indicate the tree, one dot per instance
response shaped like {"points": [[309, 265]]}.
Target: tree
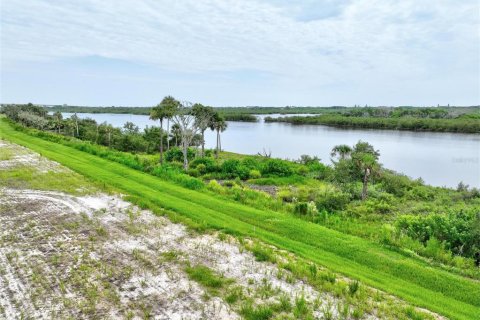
{"points": [[187, 127], [343, 151], [366, 159], [164, 110], [108, 130], [175, 132], [75, 118], [219, 125], [130, 128], [203, 120], [57, 116]]}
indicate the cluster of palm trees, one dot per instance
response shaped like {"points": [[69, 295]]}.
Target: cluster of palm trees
{"points": [[189, 120]]}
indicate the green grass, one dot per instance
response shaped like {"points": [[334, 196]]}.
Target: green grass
{"points": [[207, 278], [29, 178], [408, 278], [5, 154]]}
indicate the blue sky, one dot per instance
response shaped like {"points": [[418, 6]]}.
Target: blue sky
{"points": [[236, 53]]}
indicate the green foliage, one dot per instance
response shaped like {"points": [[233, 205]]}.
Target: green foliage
{"points": [[276, 167], [459, 231], [176, 154], [234, 169], [353, 287], [254, 174]]}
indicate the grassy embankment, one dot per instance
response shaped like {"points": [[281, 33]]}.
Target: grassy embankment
{"points": [[408, 278]]}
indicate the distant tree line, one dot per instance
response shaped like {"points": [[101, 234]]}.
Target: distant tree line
{"points": [[428, 121], [226, 113]]}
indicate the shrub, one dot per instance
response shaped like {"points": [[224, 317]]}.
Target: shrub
{"points": [[215, 186], [234, 169], [301, 208], [276, 167], [303, 171], [208, 163], [353, 287], [332, 201], [176, 154], [251, 163], [193, 172], [286, 195], [254, 174], [202, 169]]}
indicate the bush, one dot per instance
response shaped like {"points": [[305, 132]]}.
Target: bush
{"points": [[208, 163], [193, 172], [251, 163], [276, 167], [254, 174], [303, 171], [332, 201], [215, 187], [234, 169], [301, 208], [176, 154]]}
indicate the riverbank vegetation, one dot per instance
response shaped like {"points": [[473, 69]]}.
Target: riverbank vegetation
{"points": [[466, 120]]}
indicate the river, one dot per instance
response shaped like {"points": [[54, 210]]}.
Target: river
{"points": [[440, 159]]}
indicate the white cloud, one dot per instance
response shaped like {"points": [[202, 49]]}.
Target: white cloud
{"points": [[363, 44]]}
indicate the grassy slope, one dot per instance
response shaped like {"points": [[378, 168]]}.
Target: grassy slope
{"points": [[410, 279]]}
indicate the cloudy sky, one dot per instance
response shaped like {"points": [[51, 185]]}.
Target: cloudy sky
{"points": [[249, 52]]}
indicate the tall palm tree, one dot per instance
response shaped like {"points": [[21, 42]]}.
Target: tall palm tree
{"points": [[175, 132], [164, 110], [57, 116], [219, 125], [203, 119]]}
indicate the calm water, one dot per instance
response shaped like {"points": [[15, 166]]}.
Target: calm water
{"points": [[441, 159]]}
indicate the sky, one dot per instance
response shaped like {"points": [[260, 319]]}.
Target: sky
{"points": [[239, 53]]}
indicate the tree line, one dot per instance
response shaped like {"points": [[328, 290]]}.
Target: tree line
{"points": [[189, 123], [464, 123]]}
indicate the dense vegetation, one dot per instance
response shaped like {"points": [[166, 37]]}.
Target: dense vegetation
{"points": [[422, 119], [408, 277]]}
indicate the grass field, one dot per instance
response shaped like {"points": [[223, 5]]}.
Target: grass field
{"points": [[408, 278]]}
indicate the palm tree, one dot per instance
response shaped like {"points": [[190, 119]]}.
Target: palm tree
{"points": [[75, 120], [176, 133], [342, 151], [219, 125], [366, 158], [203, 120], [57, 116], [164, 110]]}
